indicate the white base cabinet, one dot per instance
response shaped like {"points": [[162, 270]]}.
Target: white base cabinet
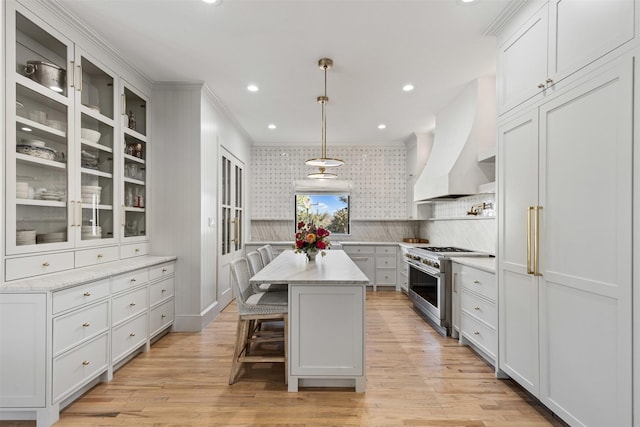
{"points": [[58, 336], [377, 262]]}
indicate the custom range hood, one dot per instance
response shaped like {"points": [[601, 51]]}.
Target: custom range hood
{"points": [[463, 128]]}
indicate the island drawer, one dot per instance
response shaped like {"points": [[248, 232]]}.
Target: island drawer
{"points": [[479, 307], [359, 249], [478, 281]]}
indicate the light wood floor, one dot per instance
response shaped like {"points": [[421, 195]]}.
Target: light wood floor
{"points": [[414, 378]]}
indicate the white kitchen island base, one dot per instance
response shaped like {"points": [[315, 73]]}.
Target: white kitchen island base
{"points": [[326, 318], [326, 341]]}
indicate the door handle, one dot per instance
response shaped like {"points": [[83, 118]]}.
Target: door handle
{"points": [[529, 267], [536, 242]]}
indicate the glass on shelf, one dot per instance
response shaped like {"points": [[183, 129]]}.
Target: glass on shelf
{"points": [[136, 111], [134, 224], [135, 147], [47, 114], [40, 56], [40, 224], [97, 89]]}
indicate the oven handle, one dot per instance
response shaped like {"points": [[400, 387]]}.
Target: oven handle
{"points": [[427, 270]]}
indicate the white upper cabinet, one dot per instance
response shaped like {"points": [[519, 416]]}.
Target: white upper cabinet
{"points": [[558, 39]]}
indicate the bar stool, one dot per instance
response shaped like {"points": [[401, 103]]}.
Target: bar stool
{"points": [[266, 253], [253, 309], [255, 264]]}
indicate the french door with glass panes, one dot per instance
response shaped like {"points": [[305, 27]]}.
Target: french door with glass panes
{"points": [[231, 228]]}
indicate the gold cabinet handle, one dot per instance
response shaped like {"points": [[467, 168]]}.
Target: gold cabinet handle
{"points": [[529, 268], [87, 294], [73, 208], [85, 363], [124, 105], [86, 324], [73, 74], [476, 308], [79, 224], [123, 215], [133, 304], [477, 282], [541, 86], [476, 333], [162, 316], [100, 256], [536, 242], [46, 264], [80, 73], [163, 291], [136, 250], [549, 81], [164, 270], [132, 334], [133, 279]]}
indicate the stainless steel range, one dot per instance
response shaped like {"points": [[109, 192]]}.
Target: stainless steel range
{"points": [[430, 283]]}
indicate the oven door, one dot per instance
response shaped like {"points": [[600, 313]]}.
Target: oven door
{"points": [[427, 291]]}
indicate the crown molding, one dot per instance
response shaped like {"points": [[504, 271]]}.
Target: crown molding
{"points": [[497, 24]]}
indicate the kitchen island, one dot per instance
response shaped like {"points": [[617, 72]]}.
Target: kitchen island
{"points": [[326, 318]]}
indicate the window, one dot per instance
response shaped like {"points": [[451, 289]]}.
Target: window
{"points": [[330, 211]]}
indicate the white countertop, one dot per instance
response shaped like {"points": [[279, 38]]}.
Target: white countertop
{"points": [[487, 264], [334, 268], [345, 243], [66, 279]]}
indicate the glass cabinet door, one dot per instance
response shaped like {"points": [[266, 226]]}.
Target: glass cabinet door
{"points": [[95, 193], [134, 164], [39, 138]]}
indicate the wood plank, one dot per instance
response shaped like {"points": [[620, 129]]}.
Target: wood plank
{"points": [[414, 378]]}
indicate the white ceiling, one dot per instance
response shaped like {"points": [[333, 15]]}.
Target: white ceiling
{"points": [[376, 46]]}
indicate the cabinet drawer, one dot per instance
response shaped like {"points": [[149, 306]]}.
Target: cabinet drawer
{"points": [[20, 268], [128, 305], [359, 250], [77, 367], [479, 307], [162, 270], [386, 250], [386, 276], [479, 334], [137, 249], [161, 290], [79, 295], [479, 282], [128, 336], [75, 327], [130, 280], [385, 261], [89, 257], [160, 317]]}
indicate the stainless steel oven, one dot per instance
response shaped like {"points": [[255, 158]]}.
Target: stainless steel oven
{"points": [[430, 286]]}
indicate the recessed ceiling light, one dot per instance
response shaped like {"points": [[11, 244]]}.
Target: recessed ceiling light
{"points": [[26, 129], [252, 88], [213, 2], [467, 1], [272, 126], [382, 126], [408, 87]]}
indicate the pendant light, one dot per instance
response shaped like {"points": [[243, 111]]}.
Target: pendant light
{"points": [[324, 162]]}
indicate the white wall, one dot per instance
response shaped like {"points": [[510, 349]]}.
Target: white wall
{"points": [[189, 127]]}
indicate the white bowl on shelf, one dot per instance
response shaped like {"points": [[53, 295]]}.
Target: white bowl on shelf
{"points": [[34, 142], [90, 135]]}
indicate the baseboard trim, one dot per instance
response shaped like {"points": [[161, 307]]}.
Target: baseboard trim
{"points": [[196, 322]]}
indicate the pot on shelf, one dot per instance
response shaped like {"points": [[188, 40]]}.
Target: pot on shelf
{"points": [[47, 74]]}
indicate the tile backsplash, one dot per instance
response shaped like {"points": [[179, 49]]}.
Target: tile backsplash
{"points": [[377, 175]]}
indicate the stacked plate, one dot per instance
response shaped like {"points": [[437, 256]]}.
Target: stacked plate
{"points": [[90, 194], [22, 190], [25, 237], [51, 195], [51, 237], [91, 232]]}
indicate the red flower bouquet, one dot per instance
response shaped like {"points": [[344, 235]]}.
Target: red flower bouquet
{"points": [[311, 239]]}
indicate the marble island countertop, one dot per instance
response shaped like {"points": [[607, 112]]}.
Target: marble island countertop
{"points": [[344, 243], [69, 278]]}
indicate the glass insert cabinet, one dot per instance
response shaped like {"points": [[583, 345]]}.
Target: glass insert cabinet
{"points": [[76, 151]]}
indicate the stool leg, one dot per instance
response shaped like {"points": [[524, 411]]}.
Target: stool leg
{"points": [[241, 342]]}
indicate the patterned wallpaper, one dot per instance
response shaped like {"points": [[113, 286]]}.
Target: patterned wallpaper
{"points": [[377, 173]]}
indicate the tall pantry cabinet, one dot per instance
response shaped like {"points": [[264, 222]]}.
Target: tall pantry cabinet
{"points": [[565, 168]]}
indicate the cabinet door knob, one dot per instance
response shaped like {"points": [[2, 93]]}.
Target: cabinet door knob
{"points": [[549, 81], [133, 279], [136, 250], [477, 282], [476, 333], [476, 308], [163, 291], [46, 264], [541, 86], [86, 325], [85, 363], [132, 334], [87, 294], [133, 304], [164, 270], [163, 316], [100, 255]]}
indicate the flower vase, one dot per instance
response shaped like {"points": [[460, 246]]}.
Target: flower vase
{"points": [[311, 256]]}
